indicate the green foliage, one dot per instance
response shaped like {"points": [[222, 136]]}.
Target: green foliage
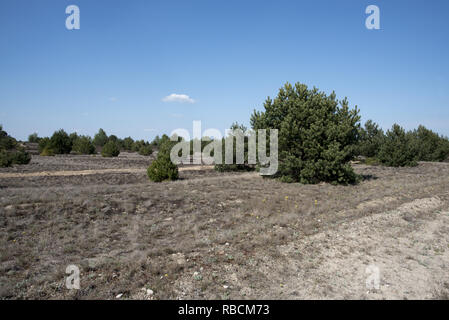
{"points": [[317, 134], [371, 138], [110, 149], [371, 161], [83, 145], [398, 149], [44, 143], [139, 144], [113, 138], [5, 160], [145, 150], [100, 138], [156, 141], [47, 152], [73, 137], [34, 138], [20, 156], [163, 168], [429, 145], [127, 144], [6, 142], [60, 142], [10, 151]]}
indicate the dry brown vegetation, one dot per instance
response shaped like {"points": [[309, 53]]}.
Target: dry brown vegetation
{"points": [[220, 235]]}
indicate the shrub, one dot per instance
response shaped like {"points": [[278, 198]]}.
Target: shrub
{"points": [[128, 144], [5, 160], [156, 141], [47, 152], [145, 150], [137, 145], [398, 149], [34, 138], [429, 145], [6, 142], [44, 143], [83, 145], [317, 134], [10, 151], [110, 149], [73, 137], [371, 138], [20, 157], [113, 138], [60, 142], [100, 138], [163, 168]]}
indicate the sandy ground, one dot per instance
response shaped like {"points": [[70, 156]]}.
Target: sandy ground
{"points": [[217, 235]]}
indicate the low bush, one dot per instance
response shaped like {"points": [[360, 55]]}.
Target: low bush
{"points": [[44, 143], [47, 152], [11, 152], [5, 160], [83, 145], [163, 168], [145, 150], [100, 139], [60, 142], [110, 149], [127, 144], [371, 137], [429, 145], [398, 149], [6, 142], [34, 138], [20, 157]]}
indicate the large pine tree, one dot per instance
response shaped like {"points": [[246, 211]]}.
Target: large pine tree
{"points": [[317, 134]]}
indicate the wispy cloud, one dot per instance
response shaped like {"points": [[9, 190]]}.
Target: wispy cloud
{"points": [[149, 130], [177, 115], [113, 99], [182, 98]]}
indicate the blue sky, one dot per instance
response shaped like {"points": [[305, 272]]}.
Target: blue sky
{"points": [[227, 56]]}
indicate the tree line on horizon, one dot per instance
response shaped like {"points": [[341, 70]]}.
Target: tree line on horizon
{"points": [[109, 146], [318, 137]]}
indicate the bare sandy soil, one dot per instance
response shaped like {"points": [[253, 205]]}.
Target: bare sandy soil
{"points": [[217, 235]]}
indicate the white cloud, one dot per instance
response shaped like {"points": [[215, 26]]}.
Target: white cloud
{"points": [[182, 98], [149, 130], [113, 99], [177, 115]]}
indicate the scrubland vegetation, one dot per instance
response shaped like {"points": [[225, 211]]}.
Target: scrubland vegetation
{"points": [[357, 196], [109, 146], [10, 151], [318, 137]]}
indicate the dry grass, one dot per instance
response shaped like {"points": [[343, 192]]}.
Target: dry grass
{"points": [[210, 235]]}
